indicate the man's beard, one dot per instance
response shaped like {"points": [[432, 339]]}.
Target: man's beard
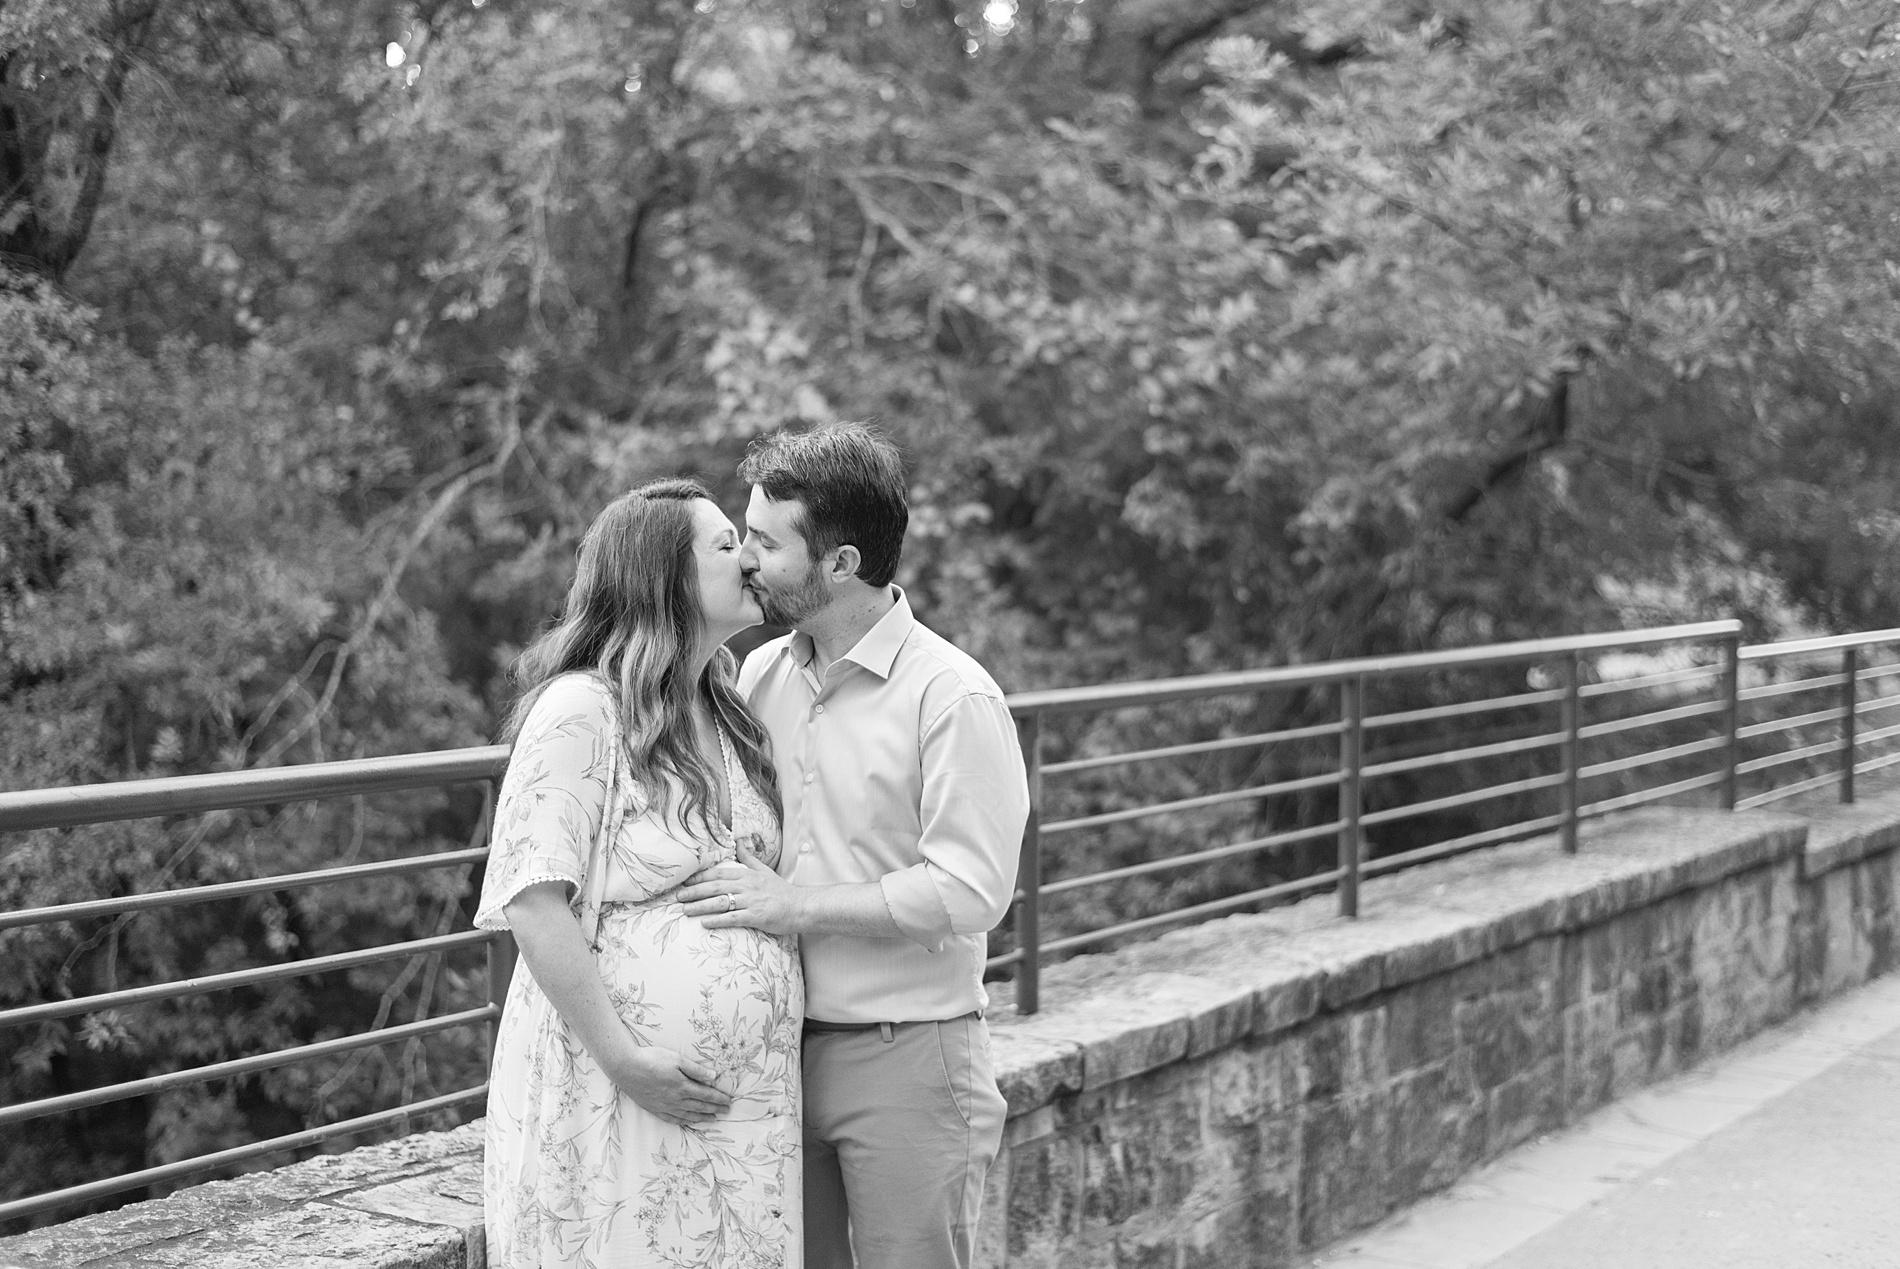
{"points": [[788, 608]]}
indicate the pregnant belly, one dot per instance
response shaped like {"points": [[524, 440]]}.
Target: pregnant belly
{"points": [[731, 999]]}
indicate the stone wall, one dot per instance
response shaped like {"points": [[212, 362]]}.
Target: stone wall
{"points": [[1242, 1092]]}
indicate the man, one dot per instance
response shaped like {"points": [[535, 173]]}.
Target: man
{"points": [[905, 799]]}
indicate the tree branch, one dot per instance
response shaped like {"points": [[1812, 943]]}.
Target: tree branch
{"points": [[386, 594], [1549, 428]]}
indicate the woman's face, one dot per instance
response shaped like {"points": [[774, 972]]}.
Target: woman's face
{"points": [[728, 606]]}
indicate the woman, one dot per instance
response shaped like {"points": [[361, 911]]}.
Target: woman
{"points": [[643, 1101]]}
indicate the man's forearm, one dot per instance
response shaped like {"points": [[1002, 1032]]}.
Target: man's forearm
{"points": [[857, 909]]}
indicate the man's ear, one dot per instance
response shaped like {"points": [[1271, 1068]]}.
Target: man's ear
{"points": [[844, 564]]}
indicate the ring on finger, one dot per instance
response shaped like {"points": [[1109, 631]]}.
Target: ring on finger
{"points": [[732, 900]]}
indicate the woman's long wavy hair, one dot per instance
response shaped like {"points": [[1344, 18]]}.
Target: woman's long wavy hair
{"points": [[633, 616]]}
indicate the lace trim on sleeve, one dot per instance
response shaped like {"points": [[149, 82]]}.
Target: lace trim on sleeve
{"points": [[493, 915]]}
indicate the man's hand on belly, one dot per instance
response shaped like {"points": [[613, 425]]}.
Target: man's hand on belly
{"points": [[745, 893], [751, 895]]}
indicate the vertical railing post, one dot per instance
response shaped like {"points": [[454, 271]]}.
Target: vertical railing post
{"points": [[1029, 873], [1731, 714], [501, 949], [1850, 700], [1352, 736], [1572, 757]]}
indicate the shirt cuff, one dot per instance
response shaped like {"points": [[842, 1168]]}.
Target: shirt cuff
{"points": [[916, 906]]}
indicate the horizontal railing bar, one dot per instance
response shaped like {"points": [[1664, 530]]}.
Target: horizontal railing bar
{"points": [[1438, 713], [237, 1154], [1183, 861], [240, 978], [1651, 719], [1082, 700], [22, 1111], [1792, 721], [1448, 756], [229, 790], [236, 889], [1467, 798], [1662, 678], [1650, 758], [1656, 794], [1199, 746], [1470, 841], [1827, 643], [1789, 790], [1877, 704], [1192, 804], [1787, 756], [1877, 735], [1007, 958], [1885, 670], [1314, 882], [1876, 764], [1791, 687]]}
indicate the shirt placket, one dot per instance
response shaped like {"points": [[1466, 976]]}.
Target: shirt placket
{"points": [[822, 690]]}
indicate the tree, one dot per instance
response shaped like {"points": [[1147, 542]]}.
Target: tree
{"points": [[1218, 333]]}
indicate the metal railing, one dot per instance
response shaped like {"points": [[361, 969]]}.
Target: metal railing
{"points": [[1587, 758], [1344, 767], [139, 799]]}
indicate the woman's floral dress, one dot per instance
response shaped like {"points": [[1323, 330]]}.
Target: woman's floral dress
{"points": [[576, 1173]]}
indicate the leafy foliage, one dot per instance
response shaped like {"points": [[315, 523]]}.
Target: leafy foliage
{"points": [[1219, 334]]}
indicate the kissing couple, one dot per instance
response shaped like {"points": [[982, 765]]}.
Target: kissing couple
{"points": [[751, 902]]}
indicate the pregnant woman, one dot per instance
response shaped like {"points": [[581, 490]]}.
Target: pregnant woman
{"points": [[643, 1104]]}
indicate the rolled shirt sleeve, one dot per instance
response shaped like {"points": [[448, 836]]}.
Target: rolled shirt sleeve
{"points": [[975, 801]]}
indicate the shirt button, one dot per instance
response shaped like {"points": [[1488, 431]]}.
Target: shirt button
{"points": [[809, 776], [818, 709], [805, 849]]}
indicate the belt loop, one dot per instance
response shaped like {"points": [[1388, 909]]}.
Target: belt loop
{"points": [[884, 1029]]}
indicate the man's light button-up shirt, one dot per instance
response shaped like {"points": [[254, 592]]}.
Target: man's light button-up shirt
{"points": [[900, 766]]}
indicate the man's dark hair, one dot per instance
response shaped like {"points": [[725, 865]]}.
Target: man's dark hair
{"points": [[851, 480]]}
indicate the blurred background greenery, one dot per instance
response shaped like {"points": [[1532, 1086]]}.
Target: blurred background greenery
{"points": [[1218, 333]]}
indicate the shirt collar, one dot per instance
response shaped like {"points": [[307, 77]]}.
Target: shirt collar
{"points": [[876, 650]]}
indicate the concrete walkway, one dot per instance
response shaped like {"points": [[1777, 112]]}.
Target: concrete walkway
{"points": [[1784, 1153]]}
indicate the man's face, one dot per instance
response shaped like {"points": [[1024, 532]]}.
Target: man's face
{"points": [[777, 562]]}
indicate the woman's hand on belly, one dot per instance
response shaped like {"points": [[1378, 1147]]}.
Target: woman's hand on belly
{"points": [[678, 1089], [664, 1083]]}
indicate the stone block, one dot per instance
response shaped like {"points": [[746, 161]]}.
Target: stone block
{"points": [[1634, 1057], [1345, 1152], [1338, 1054], [1589, 1040], [1437, 1128], [1434, 947], [1246, 1084], [1523, 1107], [1840, 836], [1286, 1000], [1034, 1069], [311, 1236], [451, 1198], [1351, 980], [1507, 1032], [1045, 1200], [1658, 984], [1593, 961], [1145, 1156], [1258, 1233], [1140, 1245], [1128, 1038], [1419, 1027]]}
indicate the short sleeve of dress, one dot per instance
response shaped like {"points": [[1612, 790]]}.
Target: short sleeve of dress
{"points": [[552, 797]]}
